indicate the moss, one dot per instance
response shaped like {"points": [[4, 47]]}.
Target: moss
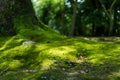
{"points": [[60, 55], [39, 35]]}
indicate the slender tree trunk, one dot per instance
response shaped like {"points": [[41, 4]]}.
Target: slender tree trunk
{"points": [[62, 17], [71, 34], [110, 14], [93, 29], [111, 20]]}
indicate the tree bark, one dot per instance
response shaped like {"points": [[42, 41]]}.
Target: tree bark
{"points": [[111, 20], [110, 14], [6, 18], [24, 14], [17, 15], [71, 34]]}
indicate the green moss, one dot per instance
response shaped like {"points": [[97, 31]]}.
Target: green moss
{"points": [[39, 35], [27, 28], [91, 58]]}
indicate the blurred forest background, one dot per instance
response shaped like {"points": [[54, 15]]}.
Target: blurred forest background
{"points": [[69, 17], [80, 17]]}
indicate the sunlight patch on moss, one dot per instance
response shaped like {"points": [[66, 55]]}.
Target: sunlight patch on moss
{"points": [[4, 64], [70, 57], [18, 50], [46, 64], [11, 43], [116, 50], [87, 46], [114, 76], [15, 64], [6, 44], [41, 47], [59, 51], [97, 58]]}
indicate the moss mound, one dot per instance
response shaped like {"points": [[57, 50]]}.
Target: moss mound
{"points": [[76, 58], [40, 35]]}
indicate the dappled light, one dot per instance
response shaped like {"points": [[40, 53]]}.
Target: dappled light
{"points": [[66, 56], [59, 40]]}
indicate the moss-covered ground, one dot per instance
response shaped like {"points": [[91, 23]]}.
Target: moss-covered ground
{"points": [[34, 55]]}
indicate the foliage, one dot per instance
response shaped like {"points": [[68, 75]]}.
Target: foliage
{"points": [[92, 19]]}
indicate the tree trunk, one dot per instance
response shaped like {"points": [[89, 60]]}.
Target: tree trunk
{"points": [[24, 15], [17, 15], [6, 18], [71, 34], [110, 14], [62, 17], [111, 20]]}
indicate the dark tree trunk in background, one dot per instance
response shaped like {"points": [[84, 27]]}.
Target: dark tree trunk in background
{"points": [[6, 18], [93, 29], [110, 14], [71, 34], [62, 18], [23, 7], [16, 14]]}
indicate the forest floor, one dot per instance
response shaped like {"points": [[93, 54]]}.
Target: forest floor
{"points": [[81, 58]]}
